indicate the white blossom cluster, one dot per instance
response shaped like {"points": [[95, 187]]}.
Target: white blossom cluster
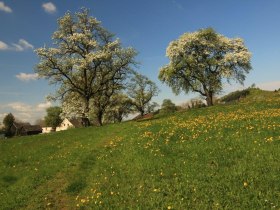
{"points": [[199, 61]]}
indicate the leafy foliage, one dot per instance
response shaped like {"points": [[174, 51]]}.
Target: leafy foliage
{"points": [[8, 121], [53, 118], [200, 60], [119, 108], [236, 95], [168, 106], [141, 90]]}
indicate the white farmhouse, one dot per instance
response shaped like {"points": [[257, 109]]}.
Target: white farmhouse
{"points": [[46, 129], [69, 123]]}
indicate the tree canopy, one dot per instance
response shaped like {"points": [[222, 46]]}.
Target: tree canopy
{"points": [[53, 118], [119, 108], [141, 90], [85, 59], [8, 121], [199, 62], [168, 106]]}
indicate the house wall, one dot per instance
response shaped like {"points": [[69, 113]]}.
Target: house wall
{"points": [[46, 129], [64, 125]]}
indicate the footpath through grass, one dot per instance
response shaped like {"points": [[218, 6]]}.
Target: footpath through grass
{"points": [[222, 157]]}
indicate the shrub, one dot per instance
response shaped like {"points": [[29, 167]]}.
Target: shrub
{"points": [[168, 106], [236, 95]]}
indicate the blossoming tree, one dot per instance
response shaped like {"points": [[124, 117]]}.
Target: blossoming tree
{"points": [[200, 61], [85, 59]]}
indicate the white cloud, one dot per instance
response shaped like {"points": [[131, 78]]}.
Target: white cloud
{"points": [[275, 85], [43, 106], [49, 7], [4, 7], [25, 112], [2, 116], [19, 107], [27, 77], [3, 46], [20, 46]]}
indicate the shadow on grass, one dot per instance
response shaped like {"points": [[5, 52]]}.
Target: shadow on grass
{"points": [[9, 180], [76, 187]]}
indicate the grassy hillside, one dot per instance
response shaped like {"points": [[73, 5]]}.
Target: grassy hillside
{"points": [[222, 157]]}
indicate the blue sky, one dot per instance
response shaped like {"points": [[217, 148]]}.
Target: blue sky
{"points": [[146, 25]]}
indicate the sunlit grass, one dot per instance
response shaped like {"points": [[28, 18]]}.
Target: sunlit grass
{"points": [[222, 157]]}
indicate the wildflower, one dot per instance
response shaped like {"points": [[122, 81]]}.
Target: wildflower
{"points": [[245, 184]]}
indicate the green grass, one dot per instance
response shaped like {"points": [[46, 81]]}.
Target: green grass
{"points": [[221, 157]]}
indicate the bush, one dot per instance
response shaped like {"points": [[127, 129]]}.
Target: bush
{"points": [[168, 106], [236, 95]]}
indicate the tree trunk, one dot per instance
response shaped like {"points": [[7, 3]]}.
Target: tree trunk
{"points": [[119, 118], [85, 120], [209, 99], [142, 112], [99, 117]]}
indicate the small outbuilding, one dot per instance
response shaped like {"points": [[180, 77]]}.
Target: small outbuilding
{"points": [[25, 129]]}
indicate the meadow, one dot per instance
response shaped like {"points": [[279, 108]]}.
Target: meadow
{"points": [[220, 157]]}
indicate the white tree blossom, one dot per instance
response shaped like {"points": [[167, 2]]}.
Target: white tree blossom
{"points": [[200, 60], [85, 59]]}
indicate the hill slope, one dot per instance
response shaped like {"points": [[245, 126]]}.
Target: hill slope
{"points": [[222, 157]]}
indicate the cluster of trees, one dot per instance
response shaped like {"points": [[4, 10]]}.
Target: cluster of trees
{"points": [[92, 70], [96, 78]]}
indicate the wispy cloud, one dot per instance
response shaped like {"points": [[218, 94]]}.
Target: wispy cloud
{"points": [[27, 77], [20, 46], [49, 7], [4, 7], [19, 107], [178, 5], [24, 112], [43, 106], [3, 46]]}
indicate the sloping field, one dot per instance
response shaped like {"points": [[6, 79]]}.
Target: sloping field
{"points": [[222, 157]]}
